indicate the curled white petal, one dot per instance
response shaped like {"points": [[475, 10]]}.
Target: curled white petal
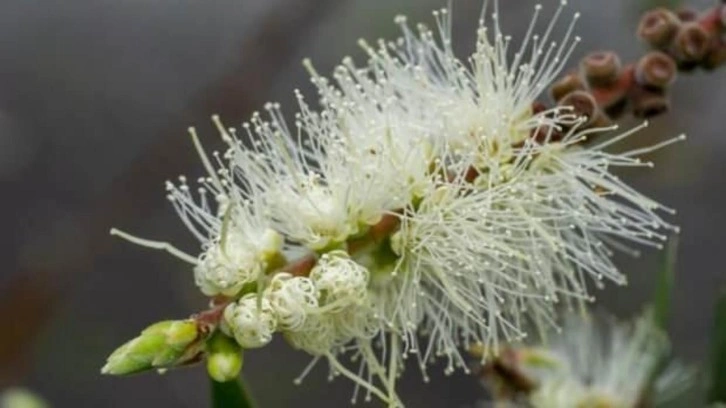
{"points": [[251, 320], [340, 280], [234, 260], [316, 336], [292, 298]]}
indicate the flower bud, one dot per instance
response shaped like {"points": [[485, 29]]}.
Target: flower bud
{"points": [[600, 68], [224, 358], [16, 397], [657, 27], [162, 345], [251, 320], [691, 43], [656, 70], [564, 86]]}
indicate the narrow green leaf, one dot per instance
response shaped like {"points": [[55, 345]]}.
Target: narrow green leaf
{"points": [[230, 394], [664, 287], [717, 393]]}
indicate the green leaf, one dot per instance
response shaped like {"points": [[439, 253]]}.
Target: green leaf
{"points": [[717, 393], [664, 286], [230, 394]]}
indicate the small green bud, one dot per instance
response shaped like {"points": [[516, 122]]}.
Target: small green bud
{"points": [[224, 358], [21, 398], [162, 345]]}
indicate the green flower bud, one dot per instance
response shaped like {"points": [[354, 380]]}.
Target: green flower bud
{"points": [[224, 358], [21, 398], [162, 345]]}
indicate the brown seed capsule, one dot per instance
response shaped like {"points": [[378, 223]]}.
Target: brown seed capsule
{"points": [[611, 98], [600, 68], [583, 104], [715, 58], [569, 83], [687, 14], [657, 27], [691, 43], [649, 102], [655, 70]]}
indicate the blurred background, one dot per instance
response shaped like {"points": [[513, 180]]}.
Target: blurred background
{"points": [[95, 97]]}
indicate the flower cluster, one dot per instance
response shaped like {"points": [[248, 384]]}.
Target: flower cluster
{"points": [[428, 205], [596, 362], [315, 313]]}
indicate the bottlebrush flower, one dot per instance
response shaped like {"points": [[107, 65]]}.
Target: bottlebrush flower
{"points": [[427, 206], [517, 214]]}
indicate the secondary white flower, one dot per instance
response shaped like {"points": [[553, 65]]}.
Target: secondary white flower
{"points": [[565, 393], [251, 320], [613, 365]]}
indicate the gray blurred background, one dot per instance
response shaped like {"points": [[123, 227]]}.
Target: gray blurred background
{"points": [[95, 97]]}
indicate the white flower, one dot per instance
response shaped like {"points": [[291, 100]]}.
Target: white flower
{"points": [[237, 240], [236, 237], [319, 185], [613, 365], [292, 298], [251, 320], [442, 210], [508, 224]]}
